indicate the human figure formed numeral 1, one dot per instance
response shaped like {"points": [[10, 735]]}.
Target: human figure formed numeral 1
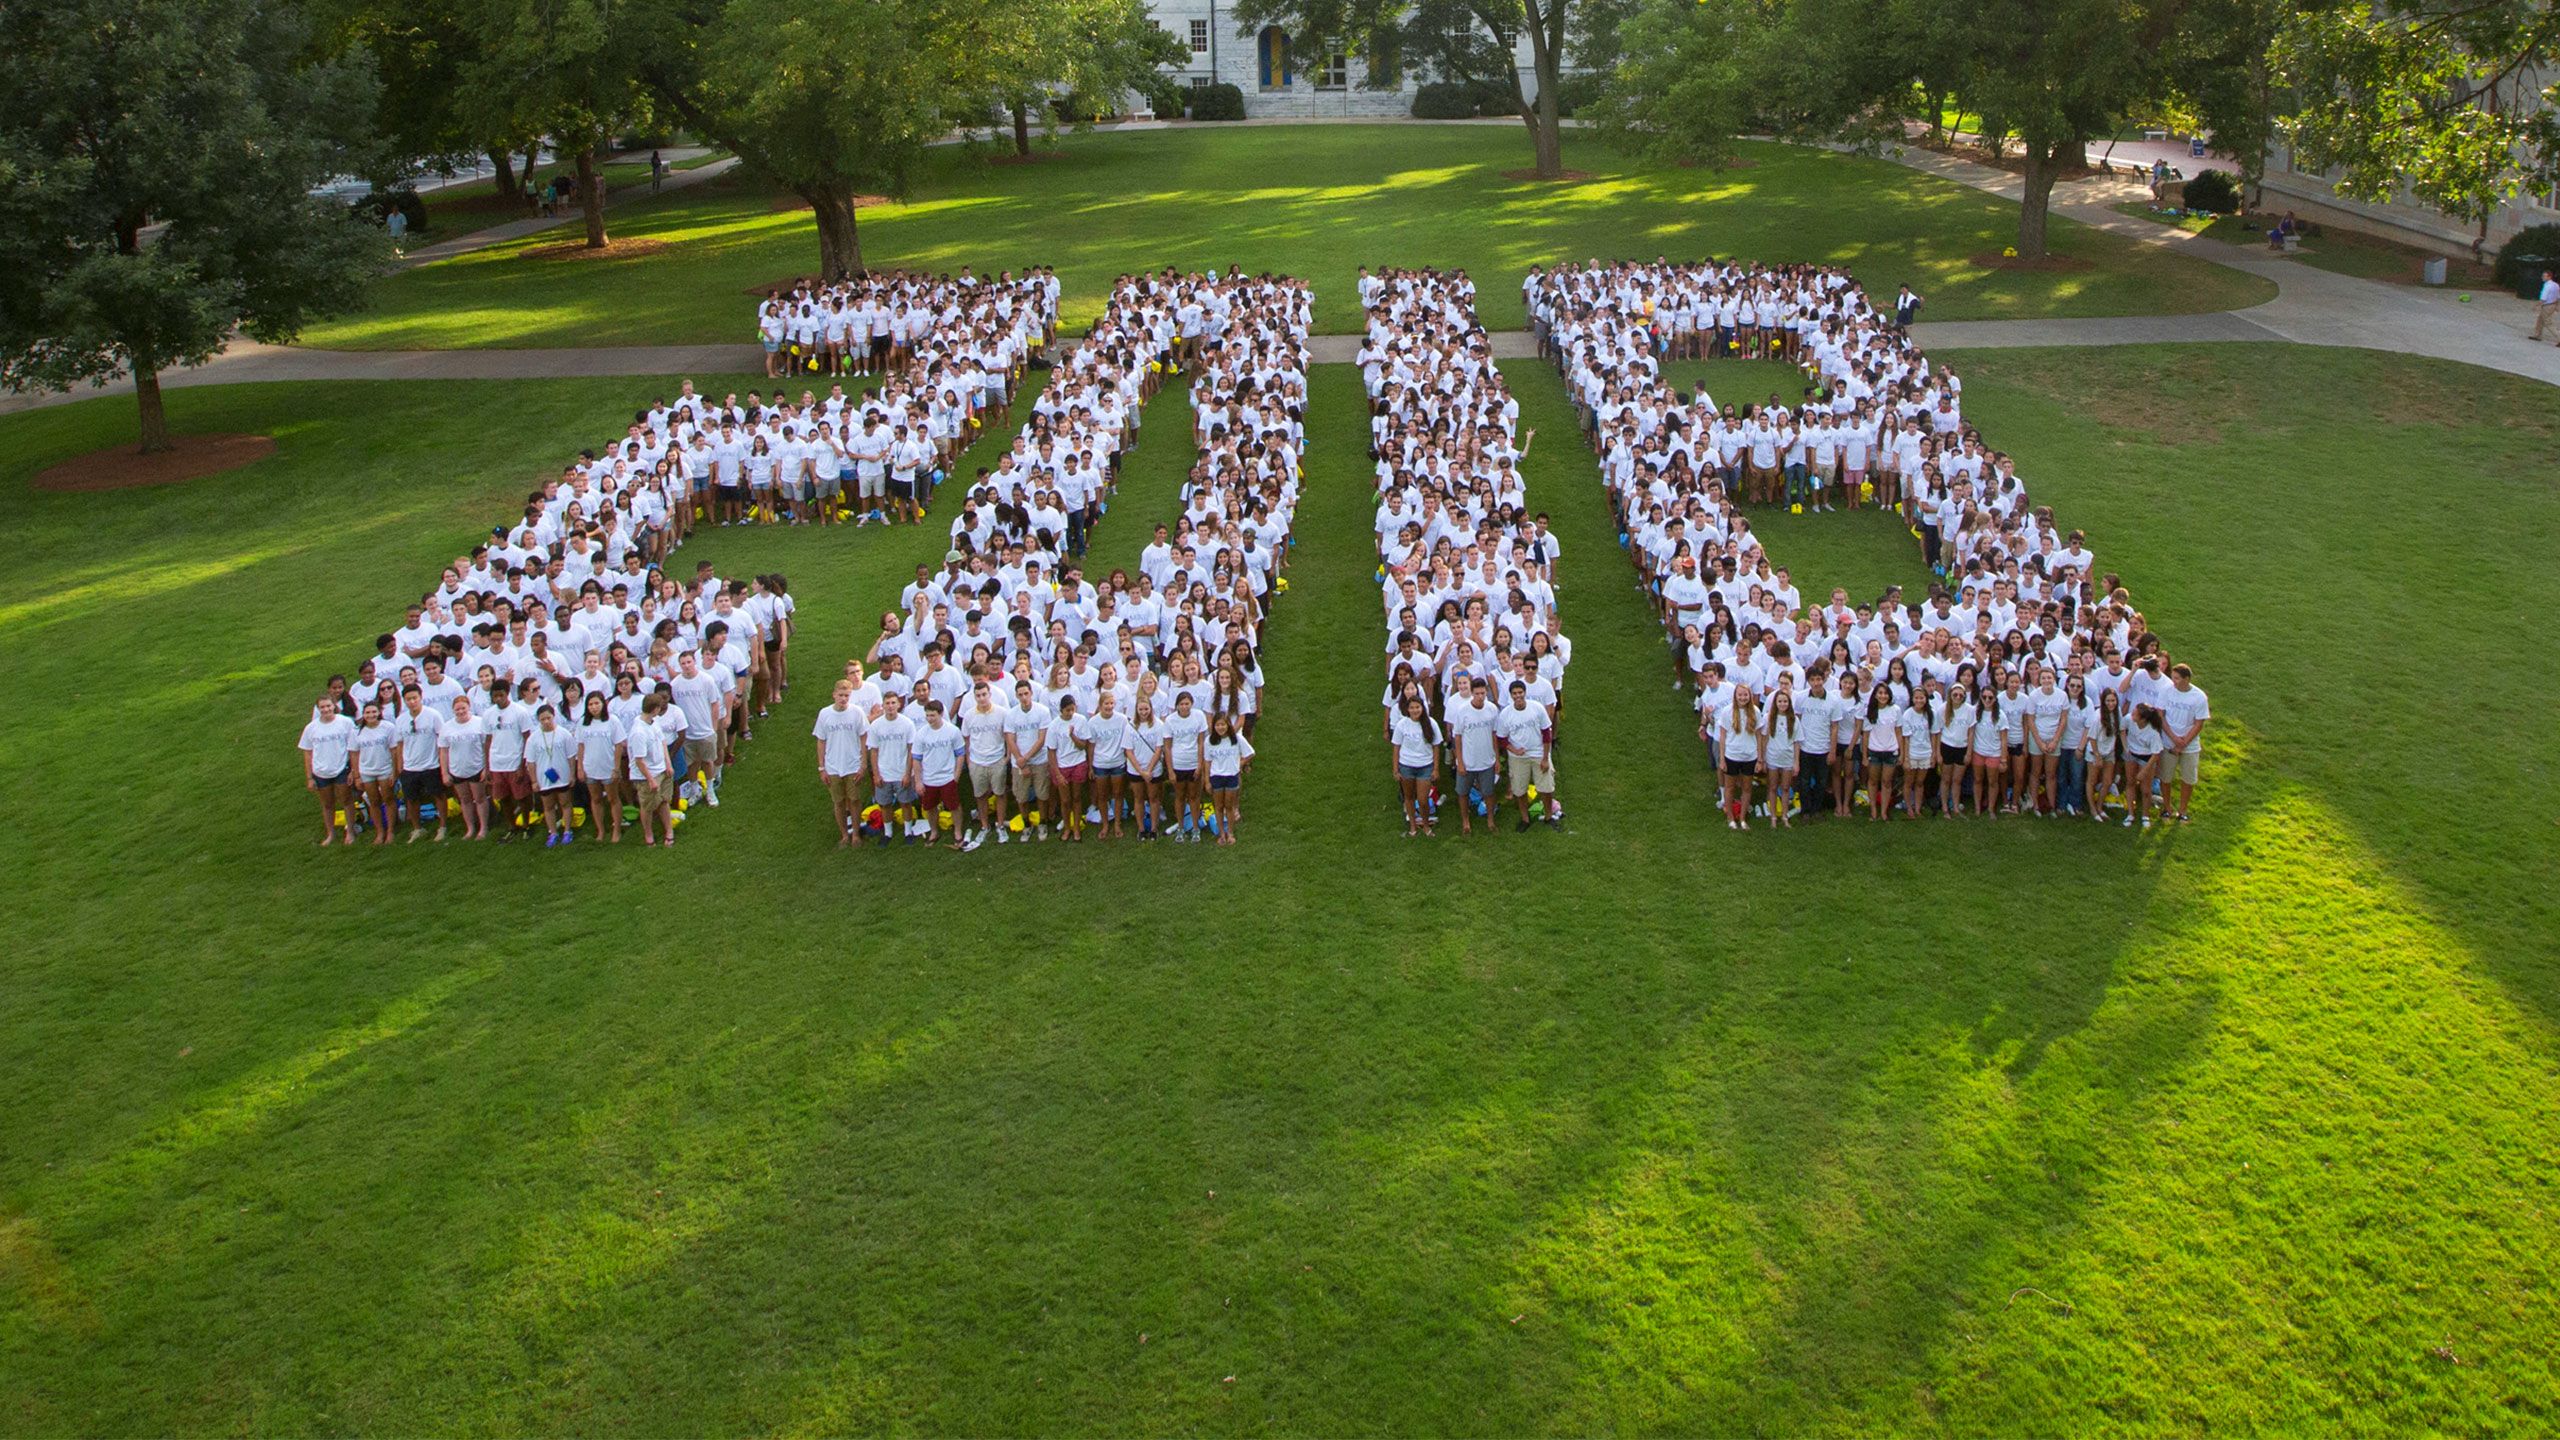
{"points": [[1012, 699], [598, 679], [2024, 683]]}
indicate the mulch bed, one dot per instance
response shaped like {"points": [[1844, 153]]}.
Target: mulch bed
{"points": [[1994, 260], [121, 467], [1567, 178], [581, 250]]}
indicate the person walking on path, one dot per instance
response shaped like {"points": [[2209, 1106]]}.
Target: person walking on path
{"points": [[2550, 303]]}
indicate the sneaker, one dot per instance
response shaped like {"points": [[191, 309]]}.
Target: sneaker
{"points": [[1522, 827], [1002, 837], [711, 794], [2128, 822], [973, 842]]}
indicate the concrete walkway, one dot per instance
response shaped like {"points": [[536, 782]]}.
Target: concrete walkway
{"points": [[2312, 307]]}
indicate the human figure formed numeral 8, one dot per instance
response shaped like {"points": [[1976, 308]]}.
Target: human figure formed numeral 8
{"points": [[2025, 683]]}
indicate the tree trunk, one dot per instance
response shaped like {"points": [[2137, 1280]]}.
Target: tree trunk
{"points": [[2036, 202], [839, 244], [155, 420], [1021, 130], [502, 176], [591, 197], [1548, 134]]}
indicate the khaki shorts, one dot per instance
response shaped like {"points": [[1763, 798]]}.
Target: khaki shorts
{"points": [[1527, 773], [1029, 781], [2178, 767], [846, 790], [986, 781]]}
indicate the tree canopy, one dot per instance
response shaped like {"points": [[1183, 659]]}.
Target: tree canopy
{"points": [[156, 159]]}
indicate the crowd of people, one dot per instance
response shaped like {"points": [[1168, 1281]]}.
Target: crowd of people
{"points": [[1013, 697], [948, 352], [563, 676], [2023, 682], [1475, 656]]}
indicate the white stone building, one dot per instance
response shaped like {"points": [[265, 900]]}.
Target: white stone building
{"points": [[1279, 79]]}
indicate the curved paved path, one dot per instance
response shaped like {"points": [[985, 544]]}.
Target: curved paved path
{"points": [[2311, 307]]}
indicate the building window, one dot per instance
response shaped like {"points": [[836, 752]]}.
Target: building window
{"points": [[1199, 37], [1334, 73], [1200, 82]]}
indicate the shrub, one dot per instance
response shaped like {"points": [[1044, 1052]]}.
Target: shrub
{"points": [[1217, 102], [2213, 192], [1579, 92], [1077, 108], [1444, 100], [2543, 240], [1164, 96]]}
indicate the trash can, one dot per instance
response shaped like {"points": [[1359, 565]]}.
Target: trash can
{"points": [[2529, 276], [2435, 269]]}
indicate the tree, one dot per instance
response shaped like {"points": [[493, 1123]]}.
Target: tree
{"points": [[1099, 49], [1470, 41], [156, 159], [2442, 99], [828, 98], [2051, 73], [563, 68]]}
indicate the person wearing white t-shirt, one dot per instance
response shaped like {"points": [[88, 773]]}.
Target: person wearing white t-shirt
{"points": [[2184, 712], [550, 767], [1524, 731], [1470, 723], [1225, 752], [414, 733], [838, 733], [982, 725], [1026, 744], [1414, 741], [1183, 730], [327, 745], [464, 739], [2045, 708], [938, 748]]}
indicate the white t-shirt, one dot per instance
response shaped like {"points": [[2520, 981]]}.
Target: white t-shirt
{"points": [[1474, 731], [329, 741], [841, 732], [2183, 708], [938, 750], [1524, 729], [985, 733], [1184, 731]]}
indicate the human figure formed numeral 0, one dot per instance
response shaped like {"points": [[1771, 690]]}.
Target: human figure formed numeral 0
{"points": [[2024, 683], [1013, 699], [568, 673]]}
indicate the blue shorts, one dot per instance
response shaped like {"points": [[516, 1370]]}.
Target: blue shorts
{"points": [[1414, 772]]}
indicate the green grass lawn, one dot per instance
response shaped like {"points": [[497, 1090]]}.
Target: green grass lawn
{"points": [[1977, 1128], [1317, 201]]}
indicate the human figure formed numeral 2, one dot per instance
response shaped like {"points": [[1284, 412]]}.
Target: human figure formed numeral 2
{"points": [[599, 680]]}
